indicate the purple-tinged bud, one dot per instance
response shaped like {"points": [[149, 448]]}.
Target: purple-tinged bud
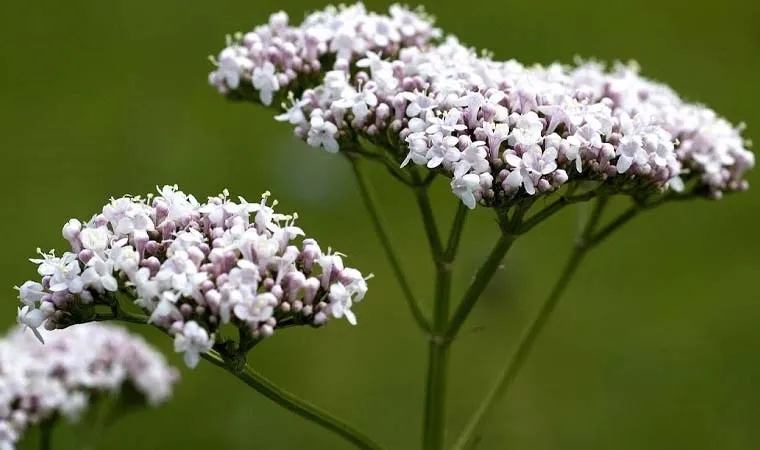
{"points": [[560, 176], [382, 113], [71, 231], [489, 112], [85, 256], [297, 306], [544, 185], [186, 310], [100, 220], [311, 287], [152, 263], [152, 247], [167, 228], [176, 327], [319, 318], [266, 331], [277, 291], [47, 307]]}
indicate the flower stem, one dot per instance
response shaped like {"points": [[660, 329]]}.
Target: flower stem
{"points": [[583, 244], [274, 393], [479, 284], [434, 425], [305, 409], [437, 372], [369, 202], [46, 434]]}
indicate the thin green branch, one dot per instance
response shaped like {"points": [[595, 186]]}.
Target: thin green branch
{"points": [[428, 218], [479, 284], [434, 425], [46, 434], [554, 208], [434, 433], [271, 391], [513, 366], [304, 409], [369, 202], [455, 234]]}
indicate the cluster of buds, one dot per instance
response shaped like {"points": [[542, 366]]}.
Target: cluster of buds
{"points": [[499, 130], [73, 369], [193, 267], [279, 58]]}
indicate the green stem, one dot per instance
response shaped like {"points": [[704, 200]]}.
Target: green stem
{"points": [[369, 202], [278, 395], [305, 409], [554, 208], [438, 356], [455, 234], [46, 434], [583, 244], [428, 218], [438, 351], [479, 284]]}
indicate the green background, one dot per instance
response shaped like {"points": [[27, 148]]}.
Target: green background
{"points": [[655, 344]]}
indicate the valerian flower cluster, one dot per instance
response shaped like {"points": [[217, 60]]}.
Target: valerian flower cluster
{"points": [[72, 369], [498, 130], [193, 267]]}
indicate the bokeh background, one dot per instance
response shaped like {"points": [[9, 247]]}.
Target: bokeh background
{"points": [[654, 346]]}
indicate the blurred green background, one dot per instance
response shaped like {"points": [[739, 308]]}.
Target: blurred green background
{"points": [[654, 346]]}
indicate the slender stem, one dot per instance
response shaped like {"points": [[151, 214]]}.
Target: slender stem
{"points": [[554, 208], [46, 434], [437, 373], [278, 395], [304, 409], [428, 220], [380, 229], [455, 234], [479, 284], [434, 426], [582, 245]]}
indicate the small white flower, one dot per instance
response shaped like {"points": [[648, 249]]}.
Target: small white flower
{"points": [[264, 79], [322, 134], [99, 275], [419, 104], [192, 341], [255, 308], [442, 148], [63, 272], [359, 102], [293, 114], [527, 130], [473, 159], [530, 167], [465, 188], [341, 302], [95, 238], [30, 293], [32, 318], [232, 64]]}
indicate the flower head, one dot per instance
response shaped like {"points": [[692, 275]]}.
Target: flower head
{"points": [[59, 378], [432, 98], [192, 267]]}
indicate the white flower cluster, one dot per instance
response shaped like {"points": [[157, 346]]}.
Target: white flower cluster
{"points": [[273, 57], [193, 267], [39, 382], [501, 129]]}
